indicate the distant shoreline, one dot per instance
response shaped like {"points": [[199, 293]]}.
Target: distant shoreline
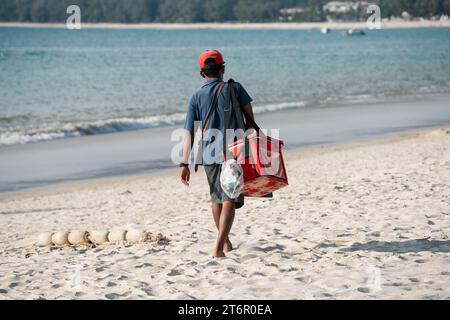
{"points": [[250, 26]]}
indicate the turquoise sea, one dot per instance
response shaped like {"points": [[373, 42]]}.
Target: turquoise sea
{"points": [[57, 83]]}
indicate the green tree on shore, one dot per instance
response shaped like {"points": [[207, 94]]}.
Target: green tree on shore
{"points": [[257, 11]]}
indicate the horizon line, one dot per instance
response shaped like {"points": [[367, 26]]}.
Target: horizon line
{"points": [[236, 25]]}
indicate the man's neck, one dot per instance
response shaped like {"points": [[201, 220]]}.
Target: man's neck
{"points": [[217, 78]]}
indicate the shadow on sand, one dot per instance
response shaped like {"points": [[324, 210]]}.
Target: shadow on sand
{"points": [[401, 246]]}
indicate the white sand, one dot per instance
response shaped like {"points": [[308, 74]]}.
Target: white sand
{"points": [[367, 220], [256, 26]]}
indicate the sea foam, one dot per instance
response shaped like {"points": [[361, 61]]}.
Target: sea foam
{"points": [[77, 129]]}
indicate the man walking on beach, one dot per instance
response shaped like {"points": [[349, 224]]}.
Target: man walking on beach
{"points": [[212, 69]]}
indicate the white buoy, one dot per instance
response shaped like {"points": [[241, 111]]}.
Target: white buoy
{"points": [[60, 238], [45, 239], [136, 236], [78, 237], [116, 236], [98, 236]]}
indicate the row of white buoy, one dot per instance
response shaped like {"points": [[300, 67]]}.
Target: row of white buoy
{"points": [[81, 237]]}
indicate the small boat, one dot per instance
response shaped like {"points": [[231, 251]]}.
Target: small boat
{"points": [[354, 32], [324, 30]]}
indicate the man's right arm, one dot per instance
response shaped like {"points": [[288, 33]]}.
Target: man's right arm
{"points": [[185, 173], [188, 141], [246, 103]]}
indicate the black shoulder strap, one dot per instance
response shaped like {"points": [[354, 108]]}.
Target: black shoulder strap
{"points": [[239, 111], [236, 106], [213, 105], [232, 102]]}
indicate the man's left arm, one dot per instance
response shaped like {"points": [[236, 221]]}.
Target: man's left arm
{"points": [[248, 109], [245, 101]]}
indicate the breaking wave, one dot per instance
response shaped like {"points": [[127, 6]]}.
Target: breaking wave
{"points": [[77, 129]]}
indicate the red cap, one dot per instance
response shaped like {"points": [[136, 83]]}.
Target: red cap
{"points": [[216, 55]]}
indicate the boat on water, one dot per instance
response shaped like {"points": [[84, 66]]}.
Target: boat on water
{"points": [[324, 30], [354, 32]]}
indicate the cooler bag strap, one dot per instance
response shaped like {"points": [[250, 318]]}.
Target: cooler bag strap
{"points": [[238, 115], [236, 107], [249, 119], [226, 121], [231, 102], [212, 107], [239, 111]]}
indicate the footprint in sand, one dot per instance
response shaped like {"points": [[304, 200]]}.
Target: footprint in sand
{"points": [[114, 296], [146, 264], [249, 256], [364, 290], [272, 265], [212, 263], [174, 272], [147, 291], [105, 277], [256, 249], [276, 247], [420, 261], [257, 274], [305, 280]]}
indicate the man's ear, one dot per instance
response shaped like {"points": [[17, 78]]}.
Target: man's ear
{"points": [[202, 74]]}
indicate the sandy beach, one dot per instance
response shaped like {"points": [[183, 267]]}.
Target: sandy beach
{"points": [[234, 26], [366, 220]]}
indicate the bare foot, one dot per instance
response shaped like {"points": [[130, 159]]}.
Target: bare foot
{"points": [[227, 247], [218, 254]]}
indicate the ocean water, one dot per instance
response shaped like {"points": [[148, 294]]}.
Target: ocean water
{"points": [[57, 83]]}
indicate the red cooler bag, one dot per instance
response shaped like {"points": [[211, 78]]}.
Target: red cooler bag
{"points": [[262, 163]]}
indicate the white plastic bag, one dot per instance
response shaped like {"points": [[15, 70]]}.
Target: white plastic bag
{"points": [[232, 179]]}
